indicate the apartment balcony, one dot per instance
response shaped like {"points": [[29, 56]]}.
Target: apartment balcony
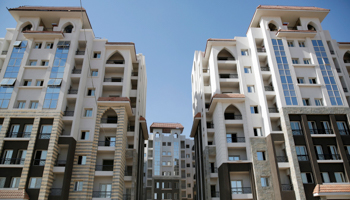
{"points": [[215, 194], [321, 131], [18, 135], [4, 53], [265, 69], [72, 91], [297, 132], [102, 194], [235, 140], [44, 136], [227, 76], [12, 161], [328, 157], [55, 192], [106, 144], [303, 157], [269, 88], [296, 33], [76, 71], [232, 116], [345, 89], [60, 163], [261, 50], [126, 196], [80, 53], [338, 69], [346, 61], [213, 170], [113, 80], [282, 158], [68, 113], [241, 193], [39, 162], [115, 62], [273, 110], [43, 35], [287, 187], [109, 120]]}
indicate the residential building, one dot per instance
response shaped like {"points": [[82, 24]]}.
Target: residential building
{"points": [[72, 109], [169, 163], [271, 110]]}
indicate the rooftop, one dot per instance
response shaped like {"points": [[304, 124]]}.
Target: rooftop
{"points": [[167, 126]]}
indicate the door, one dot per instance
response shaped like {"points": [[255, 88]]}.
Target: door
{"points": [[40, 158], [312, 127], [236, 187], [27, 130], [21, 157], [319, 152], [107, 165], [106, 190], [7, 157], [14, 130]]}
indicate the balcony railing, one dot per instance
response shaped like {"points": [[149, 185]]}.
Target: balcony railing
{"points": [[126, 196], [332, 52], [60, 163], [321, 131], [231, 116], [76, 71], [235, 140], [226, 58], [104, 167], [4, 53], [265, 69], [287, 187], [79, 52], [72, 91], [241, 190], [338, 69], [303, 158], [183, 186], [106, 143], [328, 157], [68, 113], [282, 158], [269, 88], [261, 50], [56, 192], [131, 128], [205, 70], [345, 89], [344, 132], [346, 61], [207, 105], [102, 194], [134, 73], [297, 132], [119, 80], [44, 136], [128, 173], [273, 110], [228, 75], [215, 194], [116, 62], [109, 120], [12, 161], [214, 170], [18, 135], [39, 162], [210, 125]]}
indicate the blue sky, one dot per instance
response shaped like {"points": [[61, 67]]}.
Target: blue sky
{"points": [[168, 32]]}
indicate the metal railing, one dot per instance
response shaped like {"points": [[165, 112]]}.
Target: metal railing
{"points": [[346, 61], [297, 132], [303, 157], [210, 125], [321, 131], [76, 71], [44, 136], [12, 161], [214, 170], [215, 194], [39, 162], [131, 128], [183, 186], [260, 50], [109, 120], [4, 53], [226, 58], [134, 73], [235, 140], [232, 116], [68, 113], [205, 70], [60, 163], [344, 132], [79, 52], [104, 167], [126, 196], [328, 157], [332, 52], [338, 70], [56, 192], [287, 187], [102, 194], [106, 143], [228, 75], [265, 69], [72, 91], [273, 110], [119, 80], [18, 135], [269, 88], [282, 158], [241, 190], [115, 62], [128, 173], [345, 89]]}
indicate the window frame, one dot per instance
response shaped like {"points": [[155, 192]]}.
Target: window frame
{"points": [[35, 179]]}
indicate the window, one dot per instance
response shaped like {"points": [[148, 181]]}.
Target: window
{"points": [[32, 62], [164, 153], [5, 95], [264, 181], [189, 185], [49, 45], [301, 44], [34, 104], [164, 144], [39, 83], [261, 155], [257, 132], [339, 177], [312, 81], [27, 83], [94, 72], [44, 63], [68, 29], [187, 155], [290, 43], [251, 89], [51, 97], [81, 160], [325, 177], [21, 104], [247, 70], [169, 143], [45, 131], [155, 196], [88, 112], [78, 186], [187, 146], [35, 183], [244, 52], [306, 102], [15, 182], [37, 45], [157, 184], [188, 175], [84, 135], [301, 153], [343, 129], [307, 61], [27, 28], [91, 92], [233, 158], [295, 60], [2, 182], [318, 102], [40, 157], [254, 109], [169, 196], [300, 80], [188, 165], [97, 54], [306, 177], [189, 196]]}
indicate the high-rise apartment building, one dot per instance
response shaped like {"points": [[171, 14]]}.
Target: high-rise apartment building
{"points": [[72, 109], [169, 163], [271, 110]]}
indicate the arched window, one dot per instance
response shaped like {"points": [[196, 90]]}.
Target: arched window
{"points": [[27, 28], [116, 58], [232, 113], [68, 29], [225, 55], [347, 57], [311, 27], [109, 117], [272, 27]]}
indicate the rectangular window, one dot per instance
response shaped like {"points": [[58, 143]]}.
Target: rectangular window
{"points": [[169, 196], [318, 102], [35, 183], [21, 104], [301, 153], [300, 80], [27, 83], [164, 153], [261, 155], [37, 45], [15, 182], [32, 62], [81, 160], [45, 131], [325, 177], [343, 128], [233, 158], [254, 109], [257, 132], [49, 45], [312, 81], [91, 92], [169, 143], [339, 177], [244, 52], [40, 157], [164, 144], [94, 72], [34, 104], [264, 181], [44, 63], [247, 70], [39, 83], [97, 54], [306, 102], [301, 44], [189, 185], [88, 112], [306, 177], [307, 61], [290, 43], [78, 186], [155, 196], [251, 89], [51, 97], [85, 135], [2, 182], [295, 60]]}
